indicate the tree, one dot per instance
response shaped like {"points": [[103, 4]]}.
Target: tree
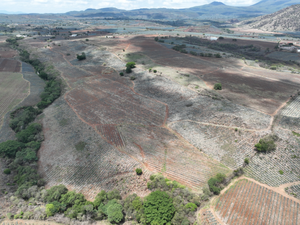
{"points": [[159, 207], [100, 198], [139, 171], [130, 65], [266, 144], [114, 213], [128, 70], [218, 86], [214, 183]]}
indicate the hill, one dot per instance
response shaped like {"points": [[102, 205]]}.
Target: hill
{"points": [[284, 20]]}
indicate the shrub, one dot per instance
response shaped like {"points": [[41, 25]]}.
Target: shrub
{"points": [[281, 172], [7, 171], [29, 133], [55, 193], [273, 67], [132, 78], [71, 198], [28, 215], [139, 171], [121, 74], [191, 206], [159, 208], [214, 183], [81, 57], [218, 86], [266, 144], [86, 39], [246, 161], [221, 38], [10, 148], [50, 210], [154, 71]]}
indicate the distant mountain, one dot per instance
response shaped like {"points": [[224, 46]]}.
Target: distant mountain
{"points": [[214, 10], [287, 19], [7, 12]]}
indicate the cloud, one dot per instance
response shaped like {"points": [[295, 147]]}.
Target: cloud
{"points": [[60, 6]]}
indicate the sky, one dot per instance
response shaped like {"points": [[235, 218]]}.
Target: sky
{"points": [[61, 6]]}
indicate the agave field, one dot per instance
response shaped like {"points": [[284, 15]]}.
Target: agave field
{"points": [[249, 203]]}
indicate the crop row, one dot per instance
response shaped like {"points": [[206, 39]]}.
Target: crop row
{"points": [[249, 203], [293, 109], [280, 167]]}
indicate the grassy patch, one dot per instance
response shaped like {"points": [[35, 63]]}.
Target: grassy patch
{"points": [[64, 122], [80, 146], [296, 134]]}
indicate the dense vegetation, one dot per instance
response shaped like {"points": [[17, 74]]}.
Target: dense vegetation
{"points": [[266, 144], [169, 203], [23, 150], [81, 57], [215, 183]]}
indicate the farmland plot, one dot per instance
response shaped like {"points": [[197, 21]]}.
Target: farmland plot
{"points": [[13, 89], [9, 65], [249, 203], [266, 168]]}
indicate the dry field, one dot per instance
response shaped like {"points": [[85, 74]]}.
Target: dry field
{"points": [[249, 203], [13, 89], [256, 88], [107, 125], [6, 52]]}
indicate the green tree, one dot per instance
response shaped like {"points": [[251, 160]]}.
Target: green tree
{"points": [[10, 148], [130, 65], [100, 198], [266, 144], [158, 206], [139, 171], [114, 213]]}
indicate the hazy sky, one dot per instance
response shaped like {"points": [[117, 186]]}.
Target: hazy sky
{"points": [[60, 6]]}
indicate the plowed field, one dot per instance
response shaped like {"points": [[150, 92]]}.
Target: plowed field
{"points": [[13, 89], [9, 65], [258, 88], [250, 203]]}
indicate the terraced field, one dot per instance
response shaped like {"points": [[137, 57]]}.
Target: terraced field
{"points": [[13, 89], [249, 203]]}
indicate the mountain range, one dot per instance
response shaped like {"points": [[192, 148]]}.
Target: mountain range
{"points": [[213, 10]]}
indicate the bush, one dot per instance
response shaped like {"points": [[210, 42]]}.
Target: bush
{"points": [[154, 71], [7, 171], [29, 133], [159, 208], [72, 198], [266, 144], [214, 183], [22, 116], [130, 65], [55, 193], [281, 172], [121, 74], [218, 86], [10, 148], [128, 70], [246, 161], [132, 78], [191, 206], [81, 57], [139, 171]]}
